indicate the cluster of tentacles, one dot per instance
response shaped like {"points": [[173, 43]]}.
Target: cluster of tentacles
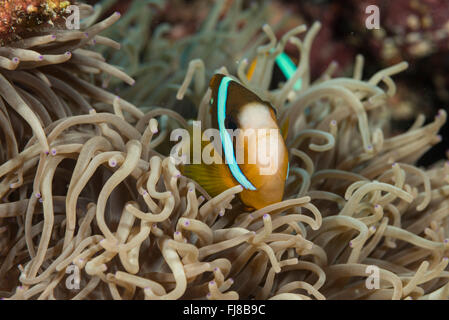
{"points": [[91, 209]]}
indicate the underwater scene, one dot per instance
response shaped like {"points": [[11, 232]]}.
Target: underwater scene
{"points": [[224, 150]]}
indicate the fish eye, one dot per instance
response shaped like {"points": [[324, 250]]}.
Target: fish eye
{"points": [[230, 123]]}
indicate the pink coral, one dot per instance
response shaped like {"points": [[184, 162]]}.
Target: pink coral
{"points": [[18, 16]]}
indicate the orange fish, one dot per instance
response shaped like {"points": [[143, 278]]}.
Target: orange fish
{"points": [[256, 159]]}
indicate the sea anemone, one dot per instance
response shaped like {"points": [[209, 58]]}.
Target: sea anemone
{"points": [[91, 210], [151, 47]]}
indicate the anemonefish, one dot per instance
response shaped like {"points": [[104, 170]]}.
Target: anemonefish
{"points": [[233, 107], [284, 69]]}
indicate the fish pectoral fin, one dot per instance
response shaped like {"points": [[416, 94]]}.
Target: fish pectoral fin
{"points": [[214, 178]]}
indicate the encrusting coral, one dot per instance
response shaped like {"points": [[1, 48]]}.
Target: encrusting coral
{"points": [[86, 190]]}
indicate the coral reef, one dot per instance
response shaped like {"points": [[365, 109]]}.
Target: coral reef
{"points": [[23, 17]]}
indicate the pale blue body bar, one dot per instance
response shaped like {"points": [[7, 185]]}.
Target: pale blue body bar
{"points": [[288, 68], [225, 137]]}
